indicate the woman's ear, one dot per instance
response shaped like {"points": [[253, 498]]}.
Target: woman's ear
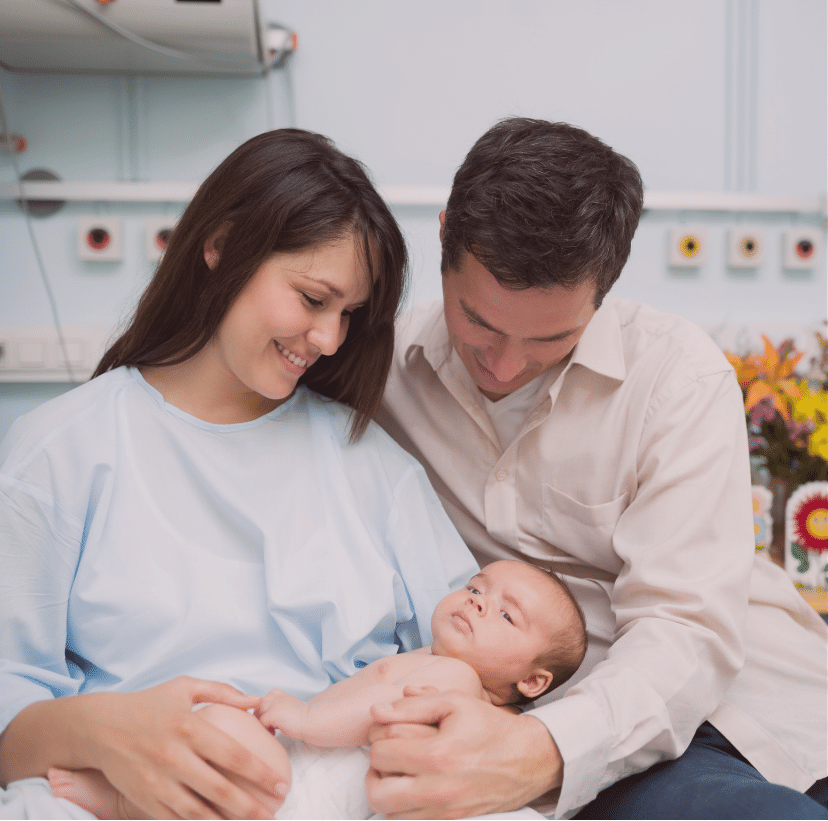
{"points": [[442, 223], [213, 246], [535, 683]]}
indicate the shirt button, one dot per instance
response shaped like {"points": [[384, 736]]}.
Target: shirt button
{"points": [[501, 475]]}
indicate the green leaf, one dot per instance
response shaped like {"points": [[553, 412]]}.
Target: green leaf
{"points": [[801, 556]]}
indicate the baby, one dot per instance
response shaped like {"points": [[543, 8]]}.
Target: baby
{"points": [[514, 633]]}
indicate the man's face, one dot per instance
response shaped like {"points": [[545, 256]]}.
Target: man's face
{"points": [[506, 338]]}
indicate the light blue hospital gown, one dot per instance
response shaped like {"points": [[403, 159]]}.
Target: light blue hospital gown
{"points": [[138, 543]]}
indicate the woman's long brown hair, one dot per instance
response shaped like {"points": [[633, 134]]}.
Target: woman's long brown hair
{"points": [[285, 190]]}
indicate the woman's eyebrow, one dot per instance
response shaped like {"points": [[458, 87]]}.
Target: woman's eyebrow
{"points": [[330, 287], [333, 290]]}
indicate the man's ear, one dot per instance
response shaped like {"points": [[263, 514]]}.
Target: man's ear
{"points": [[535, 683], [442, 223], [213, 246]]}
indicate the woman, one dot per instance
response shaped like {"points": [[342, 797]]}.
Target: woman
{"points": [[195, 523]]}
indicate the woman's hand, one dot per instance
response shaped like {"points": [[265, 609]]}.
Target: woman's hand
{"points": [[163, 756], [150, 745]]}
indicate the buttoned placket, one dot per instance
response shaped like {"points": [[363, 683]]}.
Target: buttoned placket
{"points": [[501, 493]]}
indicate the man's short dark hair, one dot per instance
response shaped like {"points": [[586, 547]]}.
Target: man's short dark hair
{"points": [[541, 205]]}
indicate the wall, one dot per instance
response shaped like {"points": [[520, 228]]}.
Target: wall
{"points": [[713, 96]]}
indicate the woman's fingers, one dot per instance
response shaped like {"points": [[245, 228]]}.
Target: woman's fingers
{"points": [[200, 691], [163, 756], [227, 757]]}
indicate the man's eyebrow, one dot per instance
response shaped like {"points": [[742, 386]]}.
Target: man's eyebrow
{"points": [[478, 320]]}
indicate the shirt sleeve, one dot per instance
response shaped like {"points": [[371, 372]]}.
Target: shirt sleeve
{"points": [[680, 599], [39, 550], [431, 557]]}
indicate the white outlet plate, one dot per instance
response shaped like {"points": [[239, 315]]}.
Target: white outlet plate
{"points": [[155, 226], [100, 238], [34, 353], [746, 247], [688, 247], [802, 248]]}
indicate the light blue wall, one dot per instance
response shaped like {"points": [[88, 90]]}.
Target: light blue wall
{"points": [[714, 95]]}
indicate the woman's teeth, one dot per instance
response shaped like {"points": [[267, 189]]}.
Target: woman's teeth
{"points": [[297, 360]]}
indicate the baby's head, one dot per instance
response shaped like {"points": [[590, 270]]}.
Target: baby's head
{"points": [[518, 626]]}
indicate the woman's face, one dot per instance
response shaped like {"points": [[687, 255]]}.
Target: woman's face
{"points": [[295, 308]]}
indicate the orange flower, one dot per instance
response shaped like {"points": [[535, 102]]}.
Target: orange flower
{"points": [[746, 367], [767, 377]]}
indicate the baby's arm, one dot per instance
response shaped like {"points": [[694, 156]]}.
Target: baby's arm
{"points": [[340, 716]]}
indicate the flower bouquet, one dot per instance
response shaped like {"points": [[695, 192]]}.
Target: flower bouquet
{"points": [[787, 417]]}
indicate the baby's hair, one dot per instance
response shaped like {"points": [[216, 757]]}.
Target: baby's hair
{"points": [[568, 646]]}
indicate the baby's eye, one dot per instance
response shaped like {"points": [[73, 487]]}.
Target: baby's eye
{"points": [[506, 616], [474, 590]]}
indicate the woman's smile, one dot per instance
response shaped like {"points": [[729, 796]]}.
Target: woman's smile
{"points": [[297, 361]]}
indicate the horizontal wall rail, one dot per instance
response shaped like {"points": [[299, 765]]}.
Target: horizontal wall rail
{"points": [[406, 195]]}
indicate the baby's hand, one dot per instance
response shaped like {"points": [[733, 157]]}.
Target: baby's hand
{"points": [[282, 711]]}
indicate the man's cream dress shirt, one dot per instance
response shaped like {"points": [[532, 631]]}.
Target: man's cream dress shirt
{"points": [[630, 477]]}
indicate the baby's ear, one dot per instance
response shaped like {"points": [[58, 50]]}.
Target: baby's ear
{"points": [[535, 683]]}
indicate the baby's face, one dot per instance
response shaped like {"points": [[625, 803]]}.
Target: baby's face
{"points": [[500, 623]]}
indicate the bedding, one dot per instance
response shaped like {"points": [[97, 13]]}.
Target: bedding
{"points": [[327, 783]]}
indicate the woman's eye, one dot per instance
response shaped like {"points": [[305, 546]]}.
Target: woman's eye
{"points": [[506, 616], [314, 303]]}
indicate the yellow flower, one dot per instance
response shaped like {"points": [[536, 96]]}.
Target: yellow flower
{"points": [[818, 442], [811, 406]]}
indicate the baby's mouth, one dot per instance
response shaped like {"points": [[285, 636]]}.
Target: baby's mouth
{"points": [[465, 625]]}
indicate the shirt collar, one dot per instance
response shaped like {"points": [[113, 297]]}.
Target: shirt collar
{"points": [[600, 347]]}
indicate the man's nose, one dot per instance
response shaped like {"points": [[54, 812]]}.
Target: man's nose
{"points": [[505, 361]]}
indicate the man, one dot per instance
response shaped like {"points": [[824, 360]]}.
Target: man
{"points": [[607, 441]]}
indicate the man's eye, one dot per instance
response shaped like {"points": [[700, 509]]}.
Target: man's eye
{"points": [[506, 616]]}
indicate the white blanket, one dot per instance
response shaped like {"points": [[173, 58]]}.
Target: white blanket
{"points": [[327, 783]]}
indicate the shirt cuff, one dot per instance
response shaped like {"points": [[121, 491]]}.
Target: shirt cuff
{"points": [[582, 736]]}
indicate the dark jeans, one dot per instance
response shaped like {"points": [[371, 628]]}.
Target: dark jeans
{"points": [[711, 780]]}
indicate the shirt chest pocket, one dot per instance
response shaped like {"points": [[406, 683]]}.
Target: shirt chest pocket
{"points": [[582, 531]]}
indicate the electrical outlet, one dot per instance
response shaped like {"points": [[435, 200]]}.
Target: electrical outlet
{"points": [[688, 247], [36, 353], [802, 248], [746, 247], [158, 233], [100, 238]]}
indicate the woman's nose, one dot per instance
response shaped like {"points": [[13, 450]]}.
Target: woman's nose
{"points": [[326, 334]]}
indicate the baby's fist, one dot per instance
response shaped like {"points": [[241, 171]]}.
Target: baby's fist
{"points": [[281, 711]]}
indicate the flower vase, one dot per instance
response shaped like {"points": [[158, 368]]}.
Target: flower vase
{"points": [[781, 492]]}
